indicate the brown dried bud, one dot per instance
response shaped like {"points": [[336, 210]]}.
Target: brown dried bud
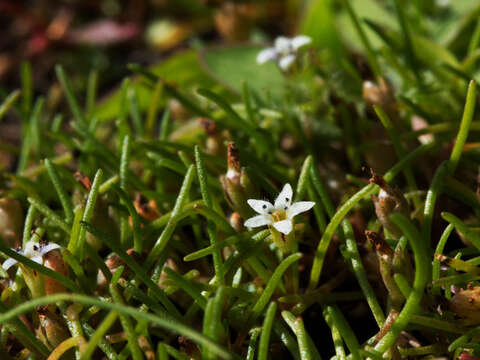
{"points": [[466, 304], [388, 202], [189, 348], [379, 94], [146, 347], [237, 184], [233, 161], [379, 242], [148, 210], [52, 328], [83, 179], [54, 260], [11, 222], [215, 139], [208, 125], [385, 262]]}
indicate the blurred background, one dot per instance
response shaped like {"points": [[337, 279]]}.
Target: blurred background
{"points": [[109, 34], [214, 44]]}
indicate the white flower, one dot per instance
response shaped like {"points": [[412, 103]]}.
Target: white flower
{"points": [[284, 51], [280, 214], [34, 251]]}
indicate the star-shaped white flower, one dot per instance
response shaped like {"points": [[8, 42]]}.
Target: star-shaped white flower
{"points": [[284, 51], [280, 214], [34, 251]]}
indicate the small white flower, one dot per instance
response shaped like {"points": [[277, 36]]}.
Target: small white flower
{"points": [[284, 51], [280, 214], [34, 251]]}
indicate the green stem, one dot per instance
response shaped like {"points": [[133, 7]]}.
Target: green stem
{"points": [[127, 325], [462, 135], [211, 227], [263, 348], [97, 336], [62, 193], [324, 243], [173, 326]]}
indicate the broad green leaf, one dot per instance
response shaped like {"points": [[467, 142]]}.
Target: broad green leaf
{"points": [[232, 66]]}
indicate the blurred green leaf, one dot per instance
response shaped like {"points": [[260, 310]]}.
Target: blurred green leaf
{"points": [[318, 22], [183, 69], [456, 30], [426, 50], [232, 66], [370, 10]]}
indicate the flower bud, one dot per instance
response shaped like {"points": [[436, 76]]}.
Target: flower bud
{"points": [[236, 183], [380, 94], [466, 304], [112, 262], [52, 329], [388, 202], [214, 144], [385, 261], [178, 111], [236, 221], [11, 222], [54, 260]]}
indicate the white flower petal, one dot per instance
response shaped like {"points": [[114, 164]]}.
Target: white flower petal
{"points": [[284, 226], [257, 221], [260, 206], [284, 199], [31, 249], [47, 248], [286, 61], [300, 40], [38, 259], [299, 207], [283, 45], [7, 264], [265, 55]]}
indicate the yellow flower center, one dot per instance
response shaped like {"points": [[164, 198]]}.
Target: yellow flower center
{"points": [[279, 215]]}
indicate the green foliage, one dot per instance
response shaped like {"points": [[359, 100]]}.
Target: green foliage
{"points": [[139, 189]]}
